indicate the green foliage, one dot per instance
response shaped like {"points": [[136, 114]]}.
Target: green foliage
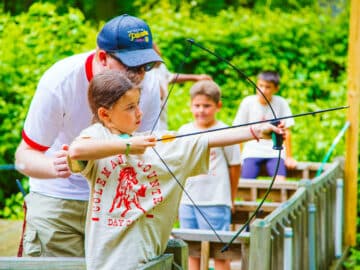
{"points": [[308, 47], [353, 260], [13, 207], [31, 43], [104, 10]]}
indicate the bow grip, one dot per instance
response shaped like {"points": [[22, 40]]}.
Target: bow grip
{"points": [[277, 138]]}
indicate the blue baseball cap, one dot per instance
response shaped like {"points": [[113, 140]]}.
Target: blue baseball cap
{"points": [[129, 39]]}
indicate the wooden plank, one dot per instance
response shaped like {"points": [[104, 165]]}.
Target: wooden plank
{"points": [[252, 190], [244, 209], [245, 253], [352, 135], [163, 262], [205, 255], [42, 263], [208, 235], [63, 263], [180, 250], [175, 247], [251, 206], [69, 263], [259, 258], [249, 183]]}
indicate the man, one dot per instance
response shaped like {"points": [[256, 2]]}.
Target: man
{"points": [[56, 209]]}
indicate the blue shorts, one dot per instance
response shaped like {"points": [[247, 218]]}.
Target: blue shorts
{"points": [[251, 167], [218, 216]]}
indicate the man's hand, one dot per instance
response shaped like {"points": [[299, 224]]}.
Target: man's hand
{"points": [[60, 163]]}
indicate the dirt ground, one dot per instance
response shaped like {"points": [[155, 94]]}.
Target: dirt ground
{"points": [[10, 234]]}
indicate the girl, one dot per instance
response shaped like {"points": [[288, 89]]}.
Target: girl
{"points": [[134, 198]]}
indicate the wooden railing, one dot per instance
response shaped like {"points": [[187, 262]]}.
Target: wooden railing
{"points": [[300, 233], [294, 230], [175, 257]]}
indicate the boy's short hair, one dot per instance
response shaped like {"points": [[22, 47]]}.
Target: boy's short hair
{"points": [[269, 76], [207, 88]]}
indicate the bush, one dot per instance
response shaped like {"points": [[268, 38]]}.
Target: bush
{"points": [[31, 43], [308, 48]]}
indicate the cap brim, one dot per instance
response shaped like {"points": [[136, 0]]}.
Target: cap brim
{"points": [[138, 57]]}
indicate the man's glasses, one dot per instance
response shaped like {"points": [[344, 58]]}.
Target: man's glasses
{"points": [[146, 67]]}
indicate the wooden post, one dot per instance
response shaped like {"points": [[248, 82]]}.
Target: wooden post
{"points": [[180, 250], [352, 137], [260, 245], [205, 255]]}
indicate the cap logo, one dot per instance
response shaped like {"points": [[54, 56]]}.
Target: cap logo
{"points": [[139, 36]]}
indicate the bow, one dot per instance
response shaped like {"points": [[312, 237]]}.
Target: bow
{"points": [[277, 139]]}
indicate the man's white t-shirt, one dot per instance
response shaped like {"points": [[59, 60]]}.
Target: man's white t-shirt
{"points": [[251, 110], [58, 112], [164, 77]]}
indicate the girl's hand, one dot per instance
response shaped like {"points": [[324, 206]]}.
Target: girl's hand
{"points": [[139, 144], [265, 130]]}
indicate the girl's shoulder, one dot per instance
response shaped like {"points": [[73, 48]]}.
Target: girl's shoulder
{"points": [[96, 130]]}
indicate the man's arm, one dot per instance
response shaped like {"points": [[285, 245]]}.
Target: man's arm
{"points": [[180, 78], [35, 163]]}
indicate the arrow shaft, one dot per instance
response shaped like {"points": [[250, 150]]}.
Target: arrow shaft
{"points": [[257, 122]]}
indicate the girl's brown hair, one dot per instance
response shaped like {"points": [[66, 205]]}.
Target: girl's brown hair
{"points": [[106, 88]]}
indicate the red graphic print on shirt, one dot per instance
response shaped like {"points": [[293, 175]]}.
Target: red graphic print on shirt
{"points": [[127, 193]]}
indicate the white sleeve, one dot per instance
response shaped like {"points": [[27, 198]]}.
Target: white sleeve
{"points": [[44, 118], [242, 113], [150, 102], [232, 154], [286, 111]]}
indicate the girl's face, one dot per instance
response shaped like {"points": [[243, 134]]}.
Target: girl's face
{"points": [[268, 89], [125, 115], [204, 109]]}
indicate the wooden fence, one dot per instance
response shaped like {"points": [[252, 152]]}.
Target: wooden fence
{"points": [[299, 228], [301, 232]]}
